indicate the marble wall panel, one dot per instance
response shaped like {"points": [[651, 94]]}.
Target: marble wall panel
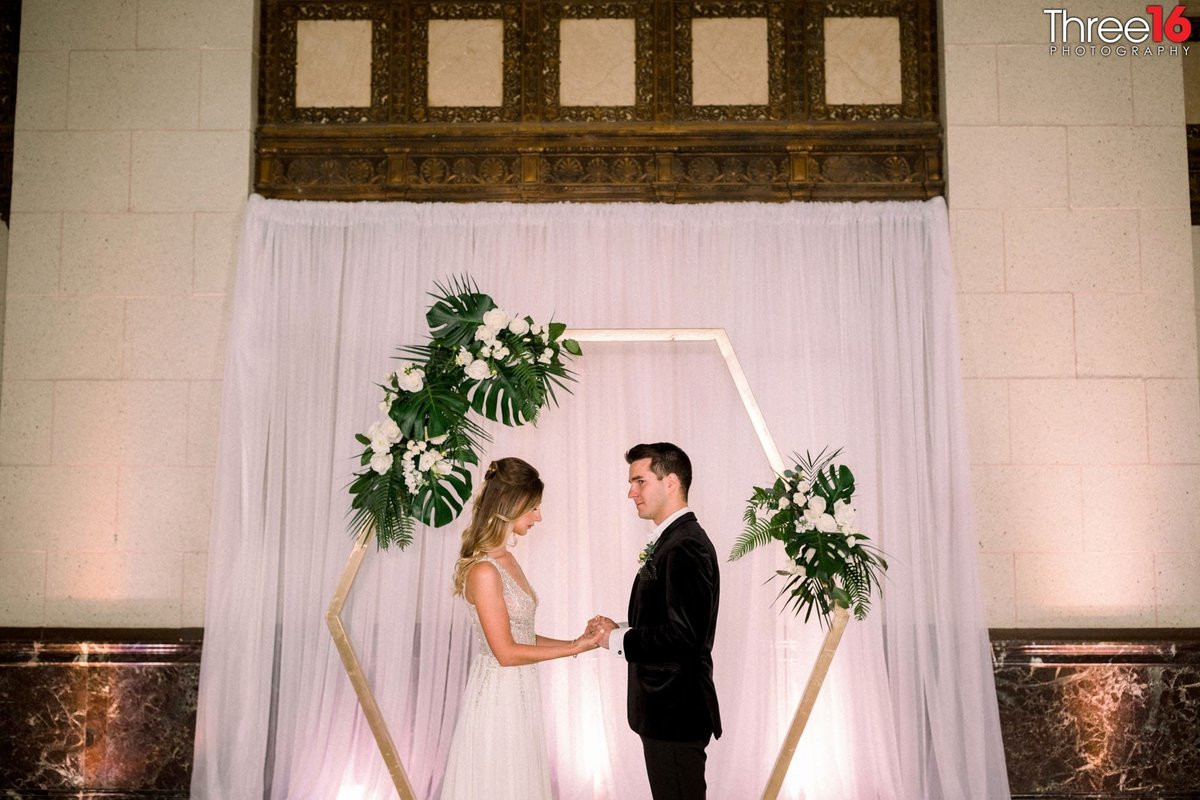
{"points": [[43, 739], [1097, 714], [862, 60], [597, 66], [729, 62], [333, 63], [466, 62], [88, 719], [1100, 719]]}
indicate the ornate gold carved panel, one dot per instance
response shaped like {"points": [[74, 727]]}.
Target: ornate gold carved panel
{"points": [[660, 145]]}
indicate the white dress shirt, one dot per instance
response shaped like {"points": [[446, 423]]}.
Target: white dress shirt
{"points": [[616, 639]]}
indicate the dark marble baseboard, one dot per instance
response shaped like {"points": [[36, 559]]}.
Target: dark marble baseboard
{"points": [[97, 714], [1100, 715], [1086, 715]]}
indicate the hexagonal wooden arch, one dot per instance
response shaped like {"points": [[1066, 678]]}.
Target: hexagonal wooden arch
{"points": [[366, 697]]}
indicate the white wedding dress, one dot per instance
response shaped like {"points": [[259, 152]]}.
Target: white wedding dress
{"points": [[499, 746]]}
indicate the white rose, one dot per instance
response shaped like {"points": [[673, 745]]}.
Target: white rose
{"points": [[464, 357], [495, 319], [381, 462], [816, 505], [479, 370], [442, 468], [385, 430], [784, 503], [803, 488], [485, 334], [411, 379], [380, 446], [519, 326], [812, 515], [428, 459]]}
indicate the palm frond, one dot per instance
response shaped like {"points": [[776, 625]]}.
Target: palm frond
{"points": [[380, 504], [755, 534]]}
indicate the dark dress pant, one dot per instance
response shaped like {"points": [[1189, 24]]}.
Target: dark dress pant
{"points": [[675, 769]]}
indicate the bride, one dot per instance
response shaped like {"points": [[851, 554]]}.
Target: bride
{"points": [[499, 746]]}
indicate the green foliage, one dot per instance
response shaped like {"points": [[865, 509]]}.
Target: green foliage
{"points": [[809, 510], [380, 505], [457, 312], [420, 472]]}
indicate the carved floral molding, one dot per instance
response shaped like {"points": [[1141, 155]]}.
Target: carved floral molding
{"points": [[661, 146]]}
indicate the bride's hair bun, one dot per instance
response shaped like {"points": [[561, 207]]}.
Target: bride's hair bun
{"points": [[491, 471]]}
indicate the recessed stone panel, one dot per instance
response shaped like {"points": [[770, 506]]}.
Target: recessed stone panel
{"points": [[333, 63], [729, 62], [597, 60], [862, 60], [466, 62]]}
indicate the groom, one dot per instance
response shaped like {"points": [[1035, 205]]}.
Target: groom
{"points": [[668, 643]]}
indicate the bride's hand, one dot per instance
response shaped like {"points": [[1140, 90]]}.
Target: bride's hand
{"points": [[591, 638]]}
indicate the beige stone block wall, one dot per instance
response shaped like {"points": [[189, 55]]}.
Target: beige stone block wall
{"points": [[1072, 246], [1070, 229], [132, 165]]}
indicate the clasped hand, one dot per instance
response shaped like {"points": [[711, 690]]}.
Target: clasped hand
{"points": [[600, 627]]}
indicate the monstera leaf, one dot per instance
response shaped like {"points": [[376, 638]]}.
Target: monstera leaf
{"points": [[457, 312], [439, 501]]}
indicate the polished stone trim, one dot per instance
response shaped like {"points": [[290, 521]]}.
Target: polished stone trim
{"points": [[1100, 714], [1085, 714], [97, 713]]}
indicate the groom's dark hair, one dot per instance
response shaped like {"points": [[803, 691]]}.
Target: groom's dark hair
{"points": [[665, 459]]}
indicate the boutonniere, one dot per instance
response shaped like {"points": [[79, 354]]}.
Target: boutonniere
{"points": [[646, 555]]}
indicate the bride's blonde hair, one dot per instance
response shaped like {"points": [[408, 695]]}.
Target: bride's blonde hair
{"points": [[511, 488]]}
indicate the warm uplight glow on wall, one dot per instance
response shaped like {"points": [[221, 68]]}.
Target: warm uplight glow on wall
{"points": [[595, 759], [352, 792]]}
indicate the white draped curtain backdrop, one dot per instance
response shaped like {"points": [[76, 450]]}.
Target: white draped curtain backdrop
{"points": [[843, 318]]}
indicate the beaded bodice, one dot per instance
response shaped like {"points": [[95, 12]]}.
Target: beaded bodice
{"points": [[521, 608]]}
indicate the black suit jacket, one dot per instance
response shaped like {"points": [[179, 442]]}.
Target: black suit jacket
{"points": [[673, 620]]}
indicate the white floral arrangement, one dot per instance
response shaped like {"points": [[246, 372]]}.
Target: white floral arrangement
{"points": [[810, 509], [418, 455]]}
